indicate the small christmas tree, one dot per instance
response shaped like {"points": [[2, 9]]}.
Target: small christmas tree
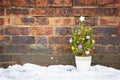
{"points": [[82, 40]]}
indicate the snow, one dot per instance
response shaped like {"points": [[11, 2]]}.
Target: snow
{"points": [[30, 71]]}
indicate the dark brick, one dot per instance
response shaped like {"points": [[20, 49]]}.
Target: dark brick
{"points": [[119, 49], [23, 39], [64, 12], [42, 2], [27, 20], [17, 11], [24, 2], [16, 31], [63, 30], [99, 49], [17, 49], [1, 21], [42, 21], [106, 31], [1, 12], [107, 11], [85, 2], [58, 40], [41, 40], [1, 31], [7, 64], [41, 49], [4, 58], [60, 2], [43, 11], [109, 39], [5, 3], [111, 49], [2, 49]]}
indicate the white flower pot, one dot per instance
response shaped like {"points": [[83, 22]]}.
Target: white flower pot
{"points": [[83, 63]]}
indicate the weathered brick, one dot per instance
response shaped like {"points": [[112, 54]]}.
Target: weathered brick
{"points": [[63, 30], [42, 21], [23, 40], [108, 2], [119, 49], [99, 49], [42, 2], [16, 31], [109, 39], [4, 58], [60, 3], [17, 11], [84, 11], [2, 49], [41, 49], [58, 40], [108, 21], [63, 49], [1, 31], [24, 2], [1, 12], [7, 64], [111, 49], [1, 21], [17, 49], [5, 3], [41, 30], [64, 12], [107, 11], [5, 40], [41, 40], [65, 21], [106, 30], [43, 11], [1, 37], [84, 2], [89, 21]]}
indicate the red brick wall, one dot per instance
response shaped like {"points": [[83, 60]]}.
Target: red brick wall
{"points": [[37, 31]]}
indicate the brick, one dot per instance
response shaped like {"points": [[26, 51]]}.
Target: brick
{"points": [[1, 37], [17, 11], [23, 2], [58, 40], [60, 3], [1, 31], [41, 2], [41, 49], [2, 49], [111, 49], [84, 11], [64, 12], [7, 64], [1, 12], [17, 49], [63, 49], [84, 2], [119, 49], [108, 21], [89, 21], [4, 58], [41, 40], [62, 21], [1, 21], [23, 40], [43, 11], [107, 11], [106, 30], [5, 3], [16, 31], [23, 21], [63, 31], [5, 40], [42, 21], [99, 49], [41, 30], [111, 3], [109, 39]]}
